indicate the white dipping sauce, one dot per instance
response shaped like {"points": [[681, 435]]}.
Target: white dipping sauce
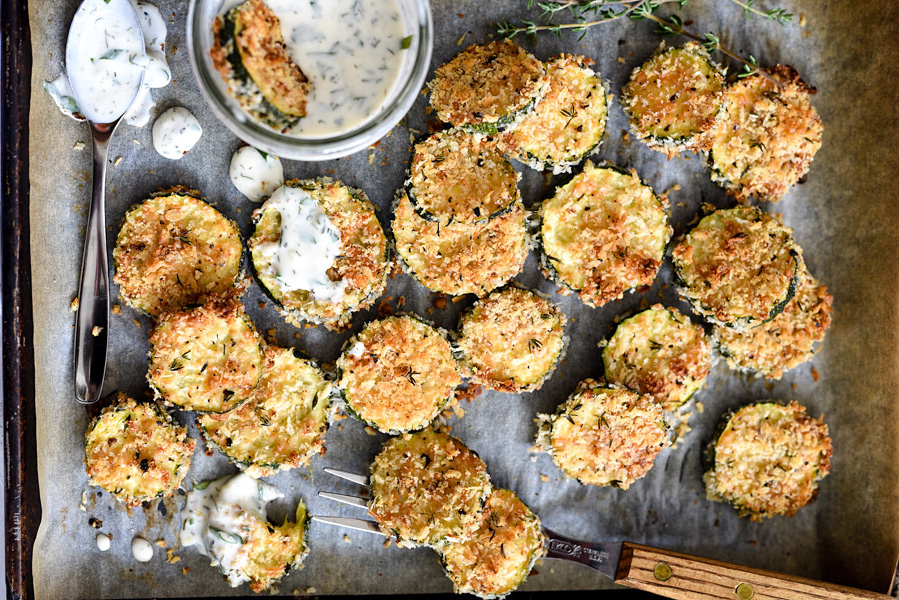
{"points": [[255, 174], [175, 132], [308, 246], [216, 517], [141, 549], [351, 52], [95, 58], [103, 542]]}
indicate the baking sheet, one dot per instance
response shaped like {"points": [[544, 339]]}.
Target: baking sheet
{"points": [[845, 217]]}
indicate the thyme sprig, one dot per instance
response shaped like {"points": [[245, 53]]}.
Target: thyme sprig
{"points": [[608, 11]]}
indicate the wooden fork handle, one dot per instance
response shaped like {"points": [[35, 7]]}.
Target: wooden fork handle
{"points": [[684, 577]]}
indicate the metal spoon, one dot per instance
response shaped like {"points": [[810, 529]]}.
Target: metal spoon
{"points": [[92, 318]]}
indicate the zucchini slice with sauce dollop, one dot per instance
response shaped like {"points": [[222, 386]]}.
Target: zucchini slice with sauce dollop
{"points": [[397, 374], [786, 341], [428, 488], [461, 258], [767, 460], [661, 353], [499, 555], [738, 267], [136, 452], [248, 50], [568, 124], [603, 233], [283, 424], [768, 136], [488, 88], [319, 252], [207, 359], [175, 250], [459, 178], [675, 98], [512, 340], [603, 435]]}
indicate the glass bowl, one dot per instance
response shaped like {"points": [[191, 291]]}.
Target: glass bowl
{"points": [[418, 24]]}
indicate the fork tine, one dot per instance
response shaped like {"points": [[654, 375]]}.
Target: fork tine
{"points": [[357, 524], [344, 499], [354, 477]]}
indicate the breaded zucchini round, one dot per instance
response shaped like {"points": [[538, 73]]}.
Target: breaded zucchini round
{"points": [[738, 267], [428, 488], [787, 340], [767, 460], [512, 340], [273, 550], [459, 178], [461, 258], [488, 88], [768, 135], [207, 359], [569, 122], [604, 233], [675, 98], [319, 252], [174, 250], [661, 353], [397, 374], [283, 424], [136, 452], [500, 553], [248, 50], [603, 435]]}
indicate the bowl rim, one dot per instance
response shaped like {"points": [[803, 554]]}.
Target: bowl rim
{"points": [[228, 111]]}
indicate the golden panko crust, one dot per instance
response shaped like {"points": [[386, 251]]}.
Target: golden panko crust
{"points": [[768, 136], [428, 488], [283, 424], [363, 263], [768, 460], [604, 436], [134, 451], [207, 359], [489, 85], [456, 177], [787, 340], [461, 258], [568, 124], [604, 233], [738, 266], [659, 352], [512, 340], [499, 555], [397, 374], [675, 98], [175, 250]]}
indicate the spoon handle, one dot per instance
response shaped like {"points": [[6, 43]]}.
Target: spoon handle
{"points": [[92, 318]]}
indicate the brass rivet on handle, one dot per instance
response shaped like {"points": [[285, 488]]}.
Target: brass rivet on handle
{"points": [[744, 591], [662, 572]]}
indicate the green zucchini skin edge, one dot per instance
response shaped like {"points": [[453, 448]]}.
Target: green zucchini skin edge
{"points": [[504, 123], [241, 272], [263, 110], [546, 261], [298, 315]]}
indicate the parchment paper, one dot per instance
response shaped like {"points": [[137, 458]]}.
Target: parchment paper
{"points": [[845, 217]]}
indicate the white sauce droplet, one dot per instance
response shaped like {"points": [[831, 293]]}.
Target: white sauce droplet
{"points": [[308, 245], [103, 542], [115, 66], [141, 549], [256, 174], [351, 51], [216, 518], [175, 132]]}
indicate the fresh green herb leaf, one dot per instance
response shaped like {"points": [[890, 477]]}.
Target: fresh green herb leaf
{"points": [[406, 42]]}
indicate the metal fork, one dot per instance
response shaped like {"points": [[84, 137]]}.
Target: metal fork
{"points": [[663, 572]]}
